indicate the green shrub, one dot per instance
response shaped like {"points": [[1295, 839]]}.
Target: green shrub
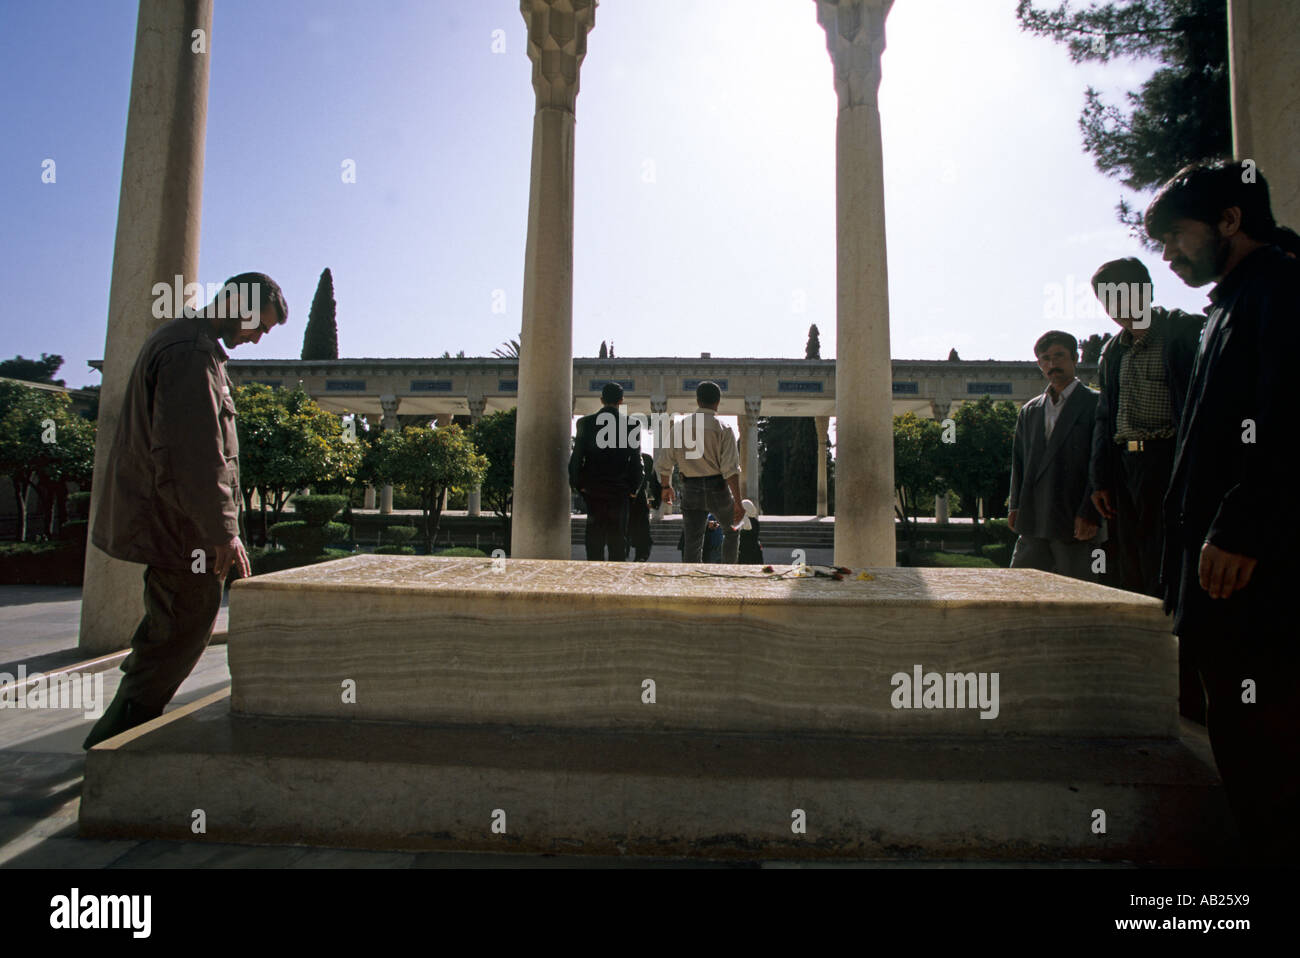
{"points": [[318, 510], [997, 531], [464, 551], [951, 560], [306, 539], [75, 531], [397, 535], [395, 551], [79, 505], [277, 560], [41, 563], [998, 553]]}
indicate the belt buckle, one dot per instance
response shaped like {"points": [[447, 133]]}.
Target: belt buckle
{"points": [[1135, 445]]}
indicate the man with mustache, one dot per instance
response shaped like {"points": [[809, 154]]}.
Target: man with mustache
{"points": [[1049, 505], [1230, 560]]}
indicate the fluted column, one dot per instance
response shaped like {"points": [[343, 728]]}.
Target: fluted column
{"points": [[864, 472], [477, 404], [557, 43], [1262, 39], [659, 427], [389, 405], [158, 216], [753, 409], [823, 439]]}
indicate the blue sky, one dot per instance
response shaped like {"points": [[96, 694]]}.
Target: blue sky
{"points": [[704, 216]]}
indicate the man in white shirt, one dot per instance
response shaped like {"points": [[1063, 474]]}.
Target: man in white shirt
{"points": [[1050, 506], [705, 454]]}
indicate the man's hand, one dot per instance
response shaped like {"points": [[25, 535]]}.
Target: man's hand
{"points": [[1011, 519], [667, 492], [232, 553], [738, 515], [1101, 500], [1083, 529], [1223, 573]]}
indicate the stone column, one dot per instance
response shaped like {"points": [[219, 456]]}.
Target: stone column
{"points": [[752, 467], [158, 215], [659, 427], [941, 507], [557, 43], [477, 404], [1265, 71], [370, 498], [864, 476], [823, 439], [389, 404]]}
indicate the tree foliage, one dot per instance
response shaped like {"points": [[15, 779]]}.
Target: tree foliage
{"points": [[978, 463], [321, 339], [919, 466], [44, 446], [1090, 347], [33, 370], [1180, 114], [494, 436], [286, 443], [428, 462]]}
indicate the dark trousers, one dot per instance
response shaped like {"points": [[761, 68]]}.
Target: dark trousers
{"points": [[638, 528], [1256, 744], [606, 527], [1062, 556], [1138, 528], [180, 609], [699, 498]]}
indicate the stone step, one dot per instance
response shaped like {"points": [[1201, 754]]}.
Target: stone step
{"points": [[385, 785], [567, 644]]}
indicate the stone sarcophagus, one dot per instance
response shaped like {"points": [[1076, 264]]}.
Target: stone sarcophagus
{"points": [[669, 709]]}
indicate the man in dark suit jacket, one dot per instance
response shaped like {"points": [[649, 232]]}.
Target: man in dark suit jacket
{"points": [[1049, 506], [606, 468], [1230, 566]]}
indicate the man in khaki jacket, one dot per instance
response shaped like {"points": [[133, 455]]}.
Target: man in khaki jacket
{"points": [[170, 496]]}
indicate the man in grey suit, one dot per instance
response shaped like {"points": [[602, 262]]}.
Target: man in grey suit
{"points": [[1050, 505]]}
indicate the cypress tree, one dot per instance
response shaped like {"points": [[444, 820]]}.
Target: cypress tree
{"points": [[321, 340]]}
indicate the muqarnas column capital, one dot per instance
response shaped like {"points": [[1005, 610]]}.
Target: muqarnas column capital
{"points": [[557, 43], [855, 37]]}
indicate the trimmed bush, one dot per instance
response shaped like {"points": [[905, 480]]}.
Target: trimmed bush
{"points": [[397, 535], [277, 560], [79, 505], [395, 551], [41, 563], [464, 551], [75, 531], [951, 560], [305, 538], [999, 554], [999, 532], [318, 510]]}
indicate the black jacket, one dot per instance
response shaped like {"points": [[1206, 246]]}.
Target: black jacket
{"points": [[606, 459], [1182, 332], [1235, 444], [1049, 479]]}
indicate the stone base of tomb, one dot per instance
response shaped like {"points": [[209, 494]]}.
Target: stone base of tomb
{"points": [[421, 703], [388, 785]]}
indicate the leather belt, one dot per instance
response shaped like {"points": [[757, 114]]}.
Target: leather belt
{"points": [[701, 478], [1145, 445]]}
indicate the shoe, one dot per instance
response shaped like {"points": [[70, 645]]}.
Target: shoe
{"points": [[121, 715]]}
